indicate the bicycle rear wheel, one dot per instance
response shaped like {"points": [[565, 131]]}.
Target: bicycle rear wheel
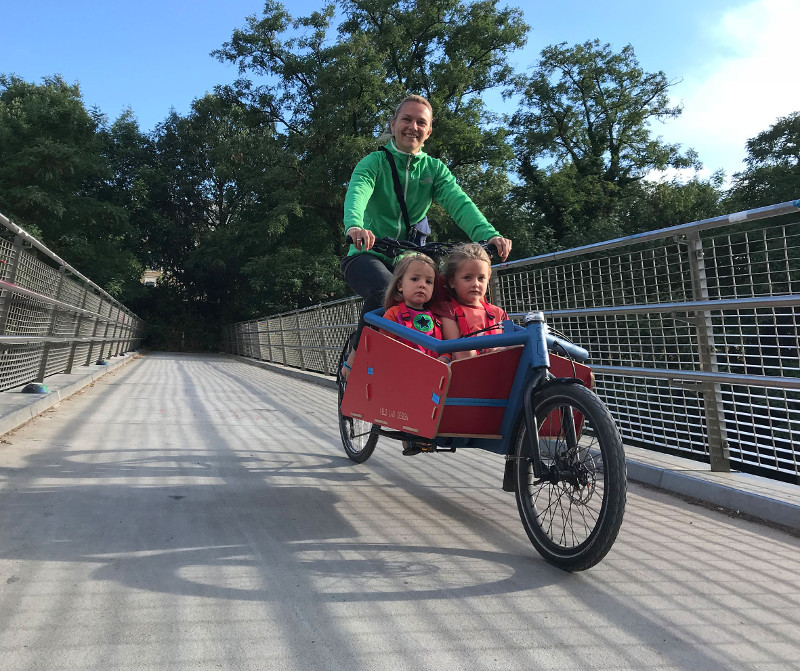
{"points": [[358, 438], [573, 512]]}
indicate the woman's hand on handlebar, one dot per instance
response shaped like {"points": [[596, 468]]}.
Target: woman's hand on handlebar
{"points": [[361, 237], [502, 245]]}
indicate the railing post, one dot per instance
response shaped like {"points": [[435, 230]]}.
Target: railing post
{"points": [[46, 346], [269, 342], [325, 362], [283, 342], [114, 331], [6, 296], [119, 330], [255, 345], [105, 332], [299, 340], [257, 323], [494, 289], [718, 449], [76, 335], [94, 335]]}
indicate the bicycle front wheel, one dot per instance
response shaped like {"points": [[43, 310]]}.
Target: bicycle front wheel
{"points": [[358, 437], [573, 512]]}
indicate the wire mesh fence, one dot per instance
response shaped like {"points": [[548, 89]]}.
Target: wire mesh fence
{"points": [[52, 318], [693, 333]]}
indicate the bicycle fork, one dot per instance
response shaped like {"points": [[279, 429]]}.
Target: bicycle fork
{"points": [[530, 447]]}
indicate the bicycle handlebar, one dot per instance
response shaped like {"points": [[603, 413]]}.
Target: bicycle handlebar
{"points": [[574, 351], [393, 247]]}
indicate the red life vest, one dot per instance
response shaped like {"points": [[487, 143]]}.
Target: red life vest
{"points": [[493, 320], [404, 317]]}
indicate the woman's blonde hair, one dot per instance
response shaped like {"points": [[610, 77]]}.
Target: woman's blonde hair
{"points": [[393, 296], [468, 251], [412, 99]]}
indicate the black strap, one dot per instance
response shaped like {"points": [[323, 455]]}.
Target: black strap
{"points": [[398, 190]]}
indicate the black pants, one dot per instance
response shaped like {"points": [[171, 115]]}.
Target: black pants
{"points": [[369, 277]]}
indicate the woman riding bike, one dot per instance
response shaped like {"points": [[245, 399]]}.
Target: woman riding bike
{"points": [[389, 195]]}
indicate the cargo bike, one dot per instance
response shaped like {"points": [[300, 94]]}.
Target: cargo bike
{"points": [[530, 401]]}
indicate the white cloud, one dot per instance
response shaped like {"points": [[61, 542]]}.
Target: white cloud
{"points": [[748, 81]]}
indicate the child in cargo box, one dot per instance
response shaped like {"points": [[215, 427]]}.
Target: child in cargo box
{"points": [[412, 290], [467, 271]]}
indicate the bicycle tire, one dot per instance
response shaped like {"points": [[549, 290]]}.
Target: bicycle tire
{"points": [[358, 438], [572, 515]]}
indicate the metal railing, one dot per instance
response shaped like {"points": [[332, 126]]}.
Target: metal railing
{"points": [[692, 329], [52, 318]]}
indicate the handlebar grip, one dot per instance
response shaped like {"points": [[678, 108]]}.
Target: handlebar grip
{"points": [[575, 351]]}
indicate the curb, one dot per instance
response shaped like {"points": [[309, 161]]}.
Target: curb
{"points": [[38, 403], [305, 375], [705, 489]]}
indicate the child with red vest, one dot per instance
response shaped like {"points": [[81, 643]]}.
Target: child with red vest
{"points": [[466, 273], [411, 291]]}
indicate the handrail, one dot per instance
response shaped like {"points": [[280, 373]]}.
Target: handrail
{"points": [[66, 307], [780, 300], [33, 242], [777, 210], [52, 319]]}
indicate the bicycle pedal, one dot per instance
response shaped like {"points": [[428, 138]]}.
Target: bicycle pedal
{"points": [[443, 449]]}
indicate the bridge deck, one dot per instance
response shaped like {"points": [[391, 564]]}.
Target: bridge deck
{"points": [[193, 512]]}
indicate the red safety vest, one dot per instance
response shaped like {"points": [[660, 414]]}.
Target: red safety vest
{"points": [[493, 320], [404, 317]]}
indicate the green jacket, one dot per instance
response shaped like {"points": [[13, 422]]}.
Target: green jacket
{"points": [[372, 204]]}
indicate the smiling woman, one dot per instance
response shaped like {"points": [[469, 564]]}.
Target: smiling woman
{"points": [[389, 195], [412, 124]]}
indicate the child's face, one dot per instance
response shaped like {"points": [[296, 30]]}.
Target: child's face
{"points": [[416, 286], [470, 282]]}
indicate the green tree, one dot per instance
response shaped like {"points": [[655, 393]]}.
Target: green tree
{"points": [[653, 205], [584, 137], [221, 194], [55, 179], [773, 167]]}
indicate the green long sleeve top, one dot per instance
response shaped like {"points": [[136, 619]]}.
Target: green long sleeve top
{"points": [[371, 202]]}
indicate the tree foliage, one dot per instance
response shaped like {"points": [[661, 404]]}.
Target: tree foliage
{"points": [[584, 136], [653, 205], [773, 167], [56, 180]]}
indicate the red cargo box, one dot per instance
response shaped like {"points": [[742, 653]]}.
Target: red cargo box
{"points": [[396, 386], [400, 388]]}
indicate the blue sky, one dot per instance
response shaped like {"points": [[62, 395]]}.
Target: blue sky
{"points": [[733, 58]]}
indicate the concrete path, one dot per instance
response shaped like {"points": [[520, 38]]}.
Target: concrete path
{"points": [[189, 512]]}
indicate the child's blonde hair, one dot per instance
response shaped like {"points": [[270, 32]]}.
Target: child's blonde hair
{"points": [[468, 251], [393, 296]]}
